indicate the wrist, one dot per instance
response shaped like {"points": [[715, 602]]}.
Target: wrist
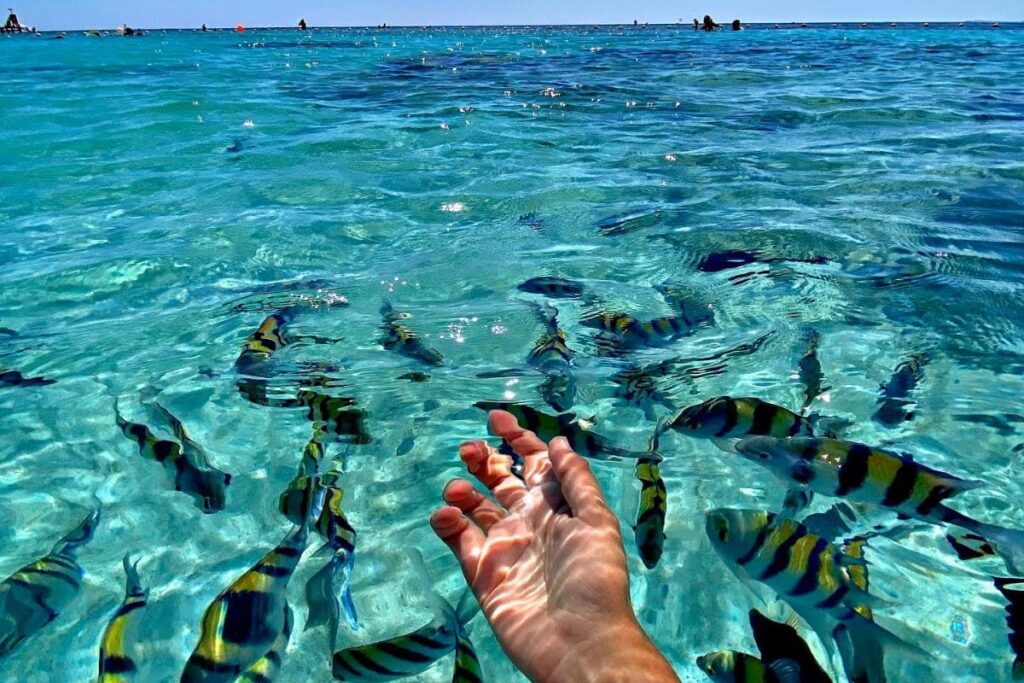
{"points": [[622, 652]]}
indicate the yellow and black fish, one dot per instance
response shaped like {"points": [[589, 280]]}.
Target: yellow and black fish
{"points": [[637, 385], [725, 417], [267, 668], [547, 427], [630, 332], [117, 663], [809, 573], [200, 480], [33, 596], [269, 337], [729, 666], [242, 624], [554, 287], [895, 481], [403, 341], [649, 529], [552, 357], [970, 546], [415, 652], [1013, 590], [336, 415]]}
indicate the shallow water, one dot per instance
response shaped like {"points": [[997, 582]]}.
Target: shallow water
{"points": [[149, 185]]}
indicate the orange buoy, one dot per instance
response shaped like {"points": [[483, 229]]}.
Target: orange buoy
{"points": [[240, 29]]}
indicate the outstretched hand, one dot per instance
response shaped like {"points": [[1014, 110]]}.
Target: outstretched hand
{"points": [[547, 563]]}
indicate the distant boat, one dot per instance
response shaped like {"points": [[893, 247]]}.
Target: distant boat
{"points": [[995, 24], [14, 26]]}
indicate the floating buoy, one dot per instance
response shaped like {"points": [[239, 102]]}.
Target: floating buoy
{"points": [[240, 29]]}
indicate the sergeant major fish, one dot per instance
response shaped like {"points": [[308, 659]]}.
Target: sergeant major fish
{"points": [[546, 427], [337, 415], [415, 652], [267, 668], [807, 571], [206, 484], [329, 592], [649, 529], [728, 666], [242, 624], [35, 595], [269, 337], [895, 400], [870, 475], [809, 370], [725, 417], [117, 663], [553, 287], [621, 330], [403, 341], [552, 357]]}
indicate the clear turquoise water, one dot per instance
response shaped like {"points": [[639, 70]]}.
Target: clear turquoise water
{"points": [[137, 206]]}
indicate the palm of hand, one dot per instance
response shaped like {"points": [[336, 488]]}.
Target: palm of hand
{"points": [[548, 567]]}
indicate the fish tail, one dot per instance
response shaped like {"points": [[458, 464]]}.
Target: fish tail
{"points": [[442, 609], [322, 600], [1008, 543], [80, 535], [861, 651]]}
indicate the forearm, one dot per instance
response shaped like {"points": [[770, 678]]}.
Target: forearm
{"points": [[623, 654]]}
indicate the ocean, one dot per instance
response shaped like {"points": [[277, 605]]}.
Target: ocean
{"points": [[161, 195]]}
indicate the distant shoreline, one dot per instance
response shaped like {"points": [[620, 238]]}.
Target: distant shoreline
{"points": [[684, 26]]}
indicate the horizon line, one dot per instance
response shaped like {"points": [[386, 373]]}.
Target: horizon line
{"points": [[689, 25]]}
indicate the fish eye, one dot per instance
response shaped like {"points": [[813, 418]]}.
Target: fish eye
{"points": [[762, 455]]}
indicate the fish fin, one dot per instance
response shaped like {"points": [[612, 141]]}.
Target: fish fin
{"points": [[467, 607], [786, 670], [81, 534], [828, 426], [442, 609], [797, 500]]}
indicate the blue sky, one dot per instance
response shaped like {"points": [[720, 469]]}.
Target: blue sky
{"points": [[53, 14]]}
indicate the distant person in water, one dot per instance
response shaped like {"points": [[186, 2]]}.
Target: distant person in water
{"points": [[302, 24], [205, 29], [696, 24], [736, 26], [709, 23]]}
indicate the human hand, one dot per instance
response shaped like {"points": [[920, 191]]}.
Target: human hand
{"points": [[547, 566]]}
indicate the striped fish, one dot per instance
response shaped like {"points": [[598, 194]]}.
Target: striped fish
{"points": [[547, 427], [552, 357], [970, 546], [1013, 590], [13, 378], [269, 337], [33, 596], [725, 417], [728, 666], [636, 385], [870, 475], [632, 333], [116, 661], [649, 529], [267, 668], [335, 415], [204, 483], [403, 341], [806, 570], [809, 370], [415, 652], [895, 401], [554, 287], [779, 642], [242, 624]]}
